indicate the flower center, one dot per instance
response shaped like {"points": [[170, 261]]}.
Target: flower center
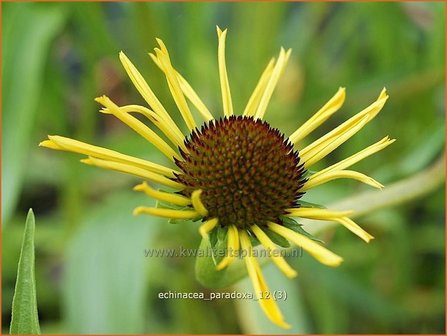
{"points": [[248, 172]]}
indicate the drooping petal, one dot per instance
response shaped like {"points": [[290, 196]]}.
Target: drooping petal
{"points": [[330, 215], [206, 227], [139, 127], [319, 252], [354, 228], [71, 145], [268, 305], [224, 84], [153, 117], [316, 213], [133, 170], [232, 248], [197, 203], [339, 174], [276, 257], [167, 213], [162, 195], [332, 106]]}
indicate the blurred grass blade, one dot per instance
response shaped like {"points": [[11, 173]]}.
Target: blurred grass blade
{"points": [[106, 272], [24, 54], [24, 304]]}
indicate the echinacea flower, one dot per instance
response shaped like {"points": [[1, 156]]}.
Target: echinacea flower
{"points": [[235, 173]]}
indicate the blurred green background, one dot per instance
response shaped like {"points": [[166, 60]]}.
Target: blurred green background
{"points": [[92, 275]]}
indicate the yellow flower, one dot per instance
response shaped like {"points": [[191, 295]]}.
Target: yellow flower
{"points": [[236, 173]]}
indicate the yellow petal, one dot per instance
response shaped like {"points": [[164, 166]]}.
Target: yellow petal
{"points": [[70, 145], [50, 144], [194, 98], [332, 106], [374, 148], [132, 170], [332, 140], [316, 213], [319, 252], [166, 213], [148, 95], [326, 144], [354, 228], [273, 80], [197, 203], [155, 119], [224, 84], [139, 127], [162, 195], [206, 227], [338, 174], [174, 86], [272, 248], [268, 305], [232, 248], [148, 113], [189, 93], [259, 90]]}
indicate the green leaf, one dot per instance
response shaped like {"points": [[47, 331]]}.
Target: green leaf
{"points": [[297, 227], [213, 237], [222, 233], [309, 173], [311, 205], [254, 240], [24, 304], [206, 261], [178, 221], [28, 31], [170, 206], [276, 238]]}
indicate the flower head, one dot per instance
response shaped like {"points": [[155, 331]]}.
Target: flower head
{"points": [[235, 173], [248, 172]]}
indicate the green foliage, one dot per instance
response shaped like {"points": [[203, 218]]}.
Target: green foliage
{"points": [[291, 224], [25, 319], [207, 259], [106, 269], [276, 238], [24, 55]]}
